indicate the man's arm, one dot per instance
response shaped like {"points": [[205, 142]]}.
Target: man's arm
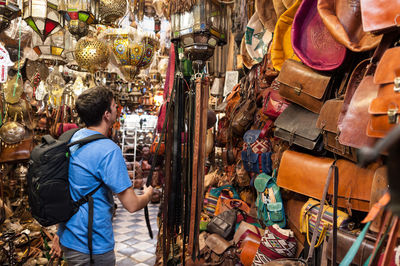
{"points": [[133, 202]]}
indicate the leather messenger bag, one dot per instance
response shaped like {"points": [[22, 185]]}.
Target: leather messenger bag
{"points": [[297, 126], [304, 86], [305, 174]]}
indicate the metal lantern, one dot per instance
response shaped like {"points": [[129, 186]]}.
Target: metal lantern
{"points": [[111, 10], [9, 10], [52, 49], [42, 16], [80, 14], [199, 29], [91, 54]]}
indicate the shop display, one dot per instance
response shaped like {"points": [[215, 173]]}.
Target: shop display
{"points": [[281, 162]]}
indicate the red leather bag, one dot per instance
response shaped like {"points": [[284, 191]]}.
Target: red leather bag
{"points": [[274, 103]]}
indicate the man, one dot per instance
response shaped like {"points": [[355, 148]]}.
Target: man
{"points": [[93, 163]]}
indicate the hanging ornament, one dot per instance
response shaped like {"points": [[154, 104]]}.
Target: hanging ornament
{"points": [[9, 10], [5, 62], [55, 84], [91, 54], [111, 10]]}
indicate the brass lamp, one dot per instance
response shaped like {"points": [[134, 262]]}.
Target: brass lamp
{"points": [[79, 14], [42, 16], [111, 10], [91, 54], [9, 10]]}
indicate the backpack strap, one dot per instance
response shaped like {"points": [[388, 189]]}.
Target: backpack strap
{"points": [[88, 197]]}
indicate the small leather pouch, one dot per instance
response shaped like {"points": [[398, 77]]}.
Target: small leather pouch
{"points": [[217, 243], [304, 86], [274, 104], [346, 240], [297, 126], [328, 123], [385, 109], [305, 174], [223, 224]]}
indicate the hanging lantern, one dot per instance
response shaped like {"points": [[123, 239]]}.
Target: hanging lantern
{"points": [[157, 24], [155, 76], [132, 51], [9, 10], [91, 54], [199, 29], [42, 16], [111, 10], [51, 50], [80, 14]]}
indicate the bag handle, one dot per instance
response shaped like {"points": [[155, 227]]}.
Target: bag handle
{"points": [[332, 168]]}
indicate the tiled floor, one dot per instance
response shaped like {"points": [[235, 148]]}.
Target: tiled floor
{"points": [[133, 245]]}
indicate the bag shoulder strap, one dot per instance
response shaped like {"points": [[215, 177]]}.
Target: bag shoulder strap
{"points": [[87, 140]]}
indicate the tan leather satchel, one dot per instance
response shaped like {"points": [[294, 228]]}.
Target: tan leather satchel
{"points": [[343, 20], [305, 174], [385, 109], [328, 123], [380, 15], [304, 86]]}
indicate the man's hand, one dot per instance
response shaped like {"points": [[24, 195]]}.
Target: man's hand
{"points": [[56, 248], [148, 191]]}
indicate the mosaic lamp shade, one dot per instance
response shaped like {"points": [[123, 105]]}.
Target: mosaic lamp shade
{"points": [[42, 16], [52, 49], [79, 14], [9, 10]]}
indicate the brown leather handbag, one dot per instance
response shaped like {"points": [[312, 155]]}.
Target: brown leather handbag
{"points": [[346, 240], [328, 123], [343, 20], [380, 15], [305, 174], [384, 109], [243, 117], [298, 126], [353, 118], [304, 86], [17, 152]]}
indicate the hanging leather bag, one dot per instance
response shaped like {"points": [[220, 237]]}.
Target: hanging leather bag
{"points": [[328, 123], [385, 109], [244, 117], [342, 18], [304, 86], [380, 15], [304, 174], [297, 126], [274, 104], [223, 224]]}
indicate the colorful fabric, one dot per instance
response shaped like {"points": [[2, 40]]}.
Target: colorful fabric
{"points": [[275, 245]]}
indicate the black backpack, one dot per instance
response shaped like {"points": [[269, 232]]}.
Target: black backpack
{"points": [[48, 186]]}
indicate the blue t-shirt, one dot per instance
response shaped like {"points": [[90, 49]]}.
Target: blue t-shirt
{"points": [[99, 160]]}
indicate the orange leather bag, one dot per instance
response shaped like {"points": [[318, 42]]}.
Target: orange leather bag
{"points": [[380, 15], [385, 109], [305, 174], [248, 253], [342, 18]]}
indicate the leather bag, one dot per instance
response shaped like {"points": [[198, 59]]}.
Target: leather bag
{"points": [[223, 224], [354, 117], [302, 85], [384, 109], [305, 174], [247, 232], [342, 18], [17, 152], [380, 15], [312, 42], [274, 104], [346, 240], [257, 163], [297, 126], [248, 252], [328, 123], [243, 118]]}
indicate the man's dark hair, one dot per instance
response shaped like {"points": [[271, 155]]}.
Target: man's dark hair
{"points": [[92, 104]]}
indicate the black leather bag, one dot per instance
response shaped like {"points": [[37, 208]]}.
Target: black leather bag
{"points": [[223, 224], [298, 126]]}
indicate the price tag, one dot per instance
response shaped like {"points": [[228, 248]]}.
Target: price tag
{"points": [[5, 62]]}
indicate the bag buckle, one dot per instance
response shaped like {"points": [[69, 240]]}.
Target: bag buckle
{"points": [[396, 84], [298, 90], [291, 138], [392, 115]]}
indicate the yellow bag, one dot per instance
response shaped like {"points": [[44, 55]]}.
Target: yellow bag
{"points": [[308, 217], [281, 47]]}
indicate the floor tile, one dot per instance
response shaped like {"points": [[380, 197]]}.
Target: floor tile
{"points": [[132, 241], [142, 256], [145, 246], [129, 251], [126, 262]]}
